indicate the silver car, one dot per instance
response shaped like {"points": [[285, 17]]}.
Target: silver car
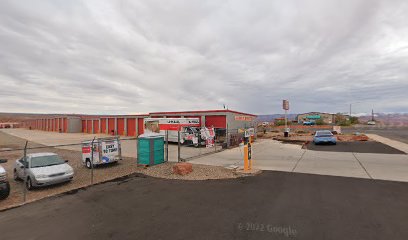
{"points": [[42, 169]]}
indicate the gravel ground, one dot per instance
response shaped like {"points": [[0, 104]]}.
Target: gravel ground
{"points": [[200, 172], [82, 177]]}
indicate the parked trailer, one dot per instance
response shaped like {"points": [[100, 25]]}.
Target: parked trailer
{"points": [[105, 150], [189, 128]]}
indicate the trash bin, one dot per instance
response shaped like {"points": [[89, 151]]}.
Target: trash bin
{"points": [[286, 134], [150, 150]]}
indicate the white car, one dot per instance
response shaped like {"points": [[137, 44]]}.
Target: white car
{"points": [[4, 184], [371, 123], [42, 169]]}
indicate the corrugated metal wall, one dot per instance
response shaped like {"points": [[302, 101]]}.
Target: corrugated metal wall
{"points": [[131, 127]]}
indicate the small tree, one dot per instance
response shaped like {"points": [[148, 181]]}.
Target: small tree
{"points": [[320, 122], [281, 122], [354, 120]]}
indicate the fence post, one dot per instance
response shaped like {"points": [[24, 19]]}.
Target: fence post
{"points": [[120, 148], [92, 160], [215, 142], [25, 173], [167, 145], [226, 137], [137, 150], [178, 154]]}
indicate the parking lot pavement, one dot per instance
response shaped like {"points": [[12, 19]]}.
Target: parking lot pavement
{"points": [[402, 146], [356, 147], [385, 166], [273, 205], [331, 163], [272, 155], [225, 158], [269, 155], [51, 138]]}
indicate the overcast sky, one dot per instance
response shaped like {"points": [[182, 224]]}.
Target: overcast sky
{"points": [[123, 57]]}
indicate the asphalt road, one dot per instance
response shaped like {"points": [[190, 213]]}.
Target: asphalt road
{"points": [[273, 205], [357, 147], [398, 134]]}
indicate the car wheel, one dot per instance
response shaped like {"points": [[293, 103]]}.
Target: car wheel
{"points": [[29, 184], [88, 164], [4, 194], [15, 175]]}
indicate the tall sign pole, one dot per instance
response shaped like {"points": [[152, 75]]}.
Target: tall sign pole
{"points": [[285, 106]]}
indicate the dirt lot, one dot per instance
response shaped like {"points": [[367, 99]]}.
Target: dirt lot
{"points": [[306, 136], [82, 176], [395, 133]]}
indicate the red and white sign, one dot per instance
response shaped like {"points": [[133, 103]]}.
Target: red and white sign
{"points": [[209, 142], [86, 149], [285, 105], [244, 118]]}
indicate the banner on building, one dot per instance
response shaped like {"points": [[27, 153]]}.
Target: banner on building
{"points": [[244, 118], [172, 124]]}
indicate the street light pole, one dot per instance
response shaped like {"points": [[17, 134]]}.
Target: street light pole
{"points": [[350, 107]]}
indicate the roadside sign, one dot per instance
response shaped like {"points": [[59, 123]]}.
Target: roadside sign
{"points": [[209, 142], [285, 105], [337, 129], [249, 132]]}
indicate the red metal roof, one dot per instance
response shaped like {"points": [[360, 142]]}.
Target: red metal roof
{"points": [[204, 111]]}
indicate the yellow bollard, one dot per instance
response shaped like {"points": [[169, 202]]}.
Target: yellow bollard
{"points": [[246, 160], [247, 157]]}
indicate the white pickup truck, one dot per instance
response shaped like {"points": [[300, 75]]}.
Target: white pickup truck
{"points": [[105, 150]]}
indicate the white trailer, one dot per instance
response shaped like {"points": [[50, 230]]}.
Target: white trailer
{"points": [[105, 150]]}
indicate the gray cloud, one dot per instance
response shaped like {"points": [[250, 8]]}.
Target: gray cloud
{"points": [[142, 56]]}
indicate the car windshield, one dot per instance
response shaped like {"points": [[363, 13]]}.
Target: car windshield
{"points": [[46, 161], [324, 134]]}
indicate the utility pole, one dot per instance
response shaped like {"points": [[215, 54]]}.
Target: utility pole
{"points": [[350, 107]]}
